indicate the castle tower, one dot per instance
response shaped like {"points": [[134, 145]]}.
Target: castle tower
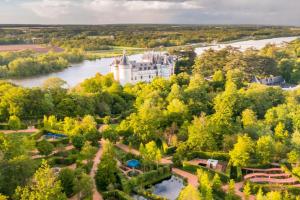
{"points": [[124, 69]]}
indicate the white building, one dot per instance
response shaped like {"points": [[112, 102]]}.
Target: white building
{"points": [[152, 65]]}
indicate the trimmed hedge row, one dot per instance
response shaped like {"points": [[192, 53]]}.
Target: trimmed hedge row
{"points": [[116, 195], [271, 187], [193, 169], [149, 195], [208, 155]]}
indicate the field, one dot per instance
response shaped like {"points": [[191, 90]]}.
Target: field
{"points": [[33, 47]]}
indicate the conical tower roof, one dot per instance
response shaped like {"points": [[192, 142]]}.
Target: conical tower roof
{"points": [[124, 59]]}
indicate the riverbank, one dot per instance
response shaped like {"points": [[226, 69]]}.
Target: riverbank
{"points": [[88, 68]]}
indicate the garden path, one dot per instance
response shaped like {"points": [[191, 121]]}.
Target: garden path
{"points": [[96, 194]]}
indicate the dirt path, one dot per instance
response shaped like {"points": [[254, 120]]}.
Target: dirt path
{"points": [[96, 194], [192, 179], [31, 130]]}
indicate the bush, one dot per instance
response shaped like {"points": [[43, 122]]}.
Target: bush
{"points": [[60, 141], [67, 178], [78, 141], [170, 150], [37, 135], [193, 169], [273, 187], [14, 123], [4, 126], [45, 147], [151, 177], [116, 195], [208, 155]]}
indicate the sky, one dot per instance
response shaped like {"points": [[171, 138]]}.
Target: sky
{"points": [[268, 12]]}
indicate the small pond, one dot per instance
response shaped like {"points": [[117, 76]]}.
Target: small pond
{"points": [[169, 188]]}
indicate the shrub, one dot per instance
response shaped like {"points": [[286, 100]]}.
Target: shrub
{"points": [[67, 178], [193, 169], [45, 147], [208, 155], [14, 123], [78, 141], [116, 195]]}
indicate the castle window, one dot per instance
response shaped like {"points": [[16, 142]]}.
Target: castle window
{"points": [[135, 78], [141, 77], [145, 68], [149, 76], [149, 68], [155, 67], [140, 69]]}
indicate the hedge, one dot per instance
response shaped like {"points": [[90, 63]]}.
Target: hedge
{"points": [[116, 195], [271, 187], [170, 150], [193, 169], [4, 126], [145, 179], [208, 155], [149, 195]]}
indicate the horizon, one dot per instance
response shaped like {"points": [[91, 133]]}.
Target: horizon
{"points": [[189, 12]]}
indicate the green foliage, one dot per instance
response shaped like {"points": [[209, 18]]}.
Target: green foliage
{"points": [[265, 149], [42, 186], [14, 123], [241, 153], [189, 193], [107, 169], [116, 195], [67, 179], [78, 141], [83, 186], [45, 147]]}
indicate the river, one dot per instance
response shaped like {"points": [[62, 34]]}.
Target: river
{"points": [[87, 69]]}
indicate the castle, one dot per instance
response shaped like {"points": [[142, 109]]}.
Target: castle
{"points": [[152, 65]]}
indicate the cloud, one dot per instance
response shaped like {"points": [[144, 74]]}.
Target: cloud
{"points": [[140, 5], [49, 8], [281, 12]]}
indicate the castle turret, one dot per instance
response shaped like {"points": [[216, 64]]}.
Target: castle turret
{"points": [[124, 69]]}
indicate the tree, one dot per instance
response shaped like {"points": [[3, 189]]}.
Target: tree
{"points": [[265, 149], [43, 186], [67, 178], [84, 186], [78, 141], [54, 83], [189, 193], [230, 195], [177, 111], [201, 136], [280, 132], [2, 197], [217, 183], [240, 155], [205, 184], [45, 147], [107, 168], [247, 191], [88, 151], [151, 152], [274, 195], [260, 195], [14, 123]]}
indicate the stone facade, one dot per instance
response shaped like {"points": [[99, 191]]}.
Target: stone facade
{"points": [[152, 65]]}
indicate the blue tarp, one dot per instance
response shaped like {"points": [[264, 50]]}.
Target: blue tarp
{"points": [[53, 135], [133, 163]]}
